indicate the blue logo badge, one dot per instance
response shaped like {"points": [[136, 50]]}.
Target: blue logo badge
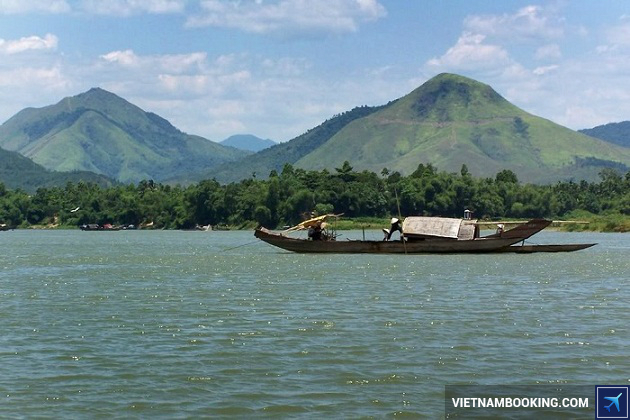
{"points": [[611, 402]]}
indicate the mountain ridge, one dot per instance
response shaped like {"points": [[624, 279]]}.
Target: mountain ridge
{"points": [[100, 132], [616, 132], [448, 121], [452, 120]]}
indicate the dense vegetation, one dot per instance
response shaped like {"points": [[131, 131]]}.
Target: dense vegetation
{"points": [[287, 197]]}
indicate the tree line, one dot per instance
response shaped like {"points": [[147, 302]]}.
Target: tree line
{"points": [[286, 198]]}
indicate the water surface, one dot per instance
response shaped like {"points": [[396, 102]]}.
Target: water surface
{"points": [[215, 324]]}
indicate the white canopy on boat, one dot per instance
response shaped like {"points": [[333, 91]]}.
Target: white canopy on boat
{"points": [[439, 227]]}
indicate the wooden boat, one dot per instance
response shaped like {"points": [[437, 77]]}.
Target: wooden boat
{"points": [[530, 249], [423, 235]]}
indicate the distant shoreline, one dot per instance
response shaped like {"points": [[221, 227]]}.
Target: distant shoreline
{"points": [[595, 223]]}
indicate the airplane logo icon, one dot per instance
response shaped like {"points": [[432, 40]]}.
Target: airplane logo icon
{"points": [[609, 407], [614, 400]]}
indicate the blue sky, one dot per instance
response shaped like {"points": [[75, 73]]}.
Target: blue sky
{"points": [[276, 68]]}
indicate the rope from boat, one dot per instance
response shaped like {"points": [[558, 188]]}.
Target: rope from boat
{"points": [[238, 246]]}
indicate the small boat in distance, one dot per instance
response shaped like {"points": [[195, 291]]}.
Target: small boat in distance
{"points": [[100, 228], [419, 235]]}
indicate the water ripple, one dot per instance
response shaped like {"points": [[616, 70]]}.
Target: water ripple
{"points": [[182, 324]]}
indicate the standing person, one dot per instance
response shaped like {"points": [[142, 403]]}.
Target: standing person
{"points": [[395, 226]]}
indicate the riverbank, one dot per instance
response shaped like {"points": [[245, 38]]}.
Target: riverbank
{"points": [[578, 222]]}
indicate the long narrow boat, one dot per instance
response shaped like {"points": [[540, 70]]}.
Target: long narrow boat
{"points": [[530, 249], [422, 236]]}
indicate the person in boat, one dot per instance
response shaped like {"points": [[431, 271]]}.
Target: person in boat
{"points": [[395, 226], [315, 232]]}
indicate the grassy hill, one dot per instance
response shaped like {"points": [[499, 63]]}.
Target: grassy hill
{"points": [[100, 132], [452, 120], [617, 133], [17, 171]]}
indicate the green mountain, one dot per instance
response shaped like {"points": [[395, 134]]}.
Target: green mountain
{"points": [[617, 133], [248, 142], [449, 121], [452, 120], [17, 171], [100, 132]]}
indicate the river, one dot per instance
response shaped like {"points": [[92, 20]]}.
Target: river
{"points": [[171, 324]]}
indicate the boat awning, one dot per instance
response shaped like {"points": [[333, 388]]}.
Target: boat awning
{"points": [[438, 227]]}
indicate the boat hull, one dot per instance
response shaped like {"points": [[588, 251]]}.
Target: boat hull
{"points": [[429, 246], [530, 249]]}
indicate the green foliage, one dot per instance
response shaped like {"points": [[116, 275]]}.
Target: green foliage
{"points": [[290, 197]]}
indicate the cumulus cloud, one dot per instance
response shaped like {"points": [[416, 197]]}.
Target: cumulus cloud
{"points": [[217, 97], [48, 42], [288, 15], [29, 76], [30, 86], [10, 7], [531, 22], [132, 7], [174, 63], [470, 52], [545, 69]]}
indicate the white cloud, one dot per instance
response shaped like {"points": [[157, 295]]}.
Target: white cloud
{"points": [[10, 7], [531, 22], [125, 58], [288, 16], [30, 86], [539, 71], [48, 42], [172, 63], [470, 52], [132, 7], [27, 77], [218, 97]]}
